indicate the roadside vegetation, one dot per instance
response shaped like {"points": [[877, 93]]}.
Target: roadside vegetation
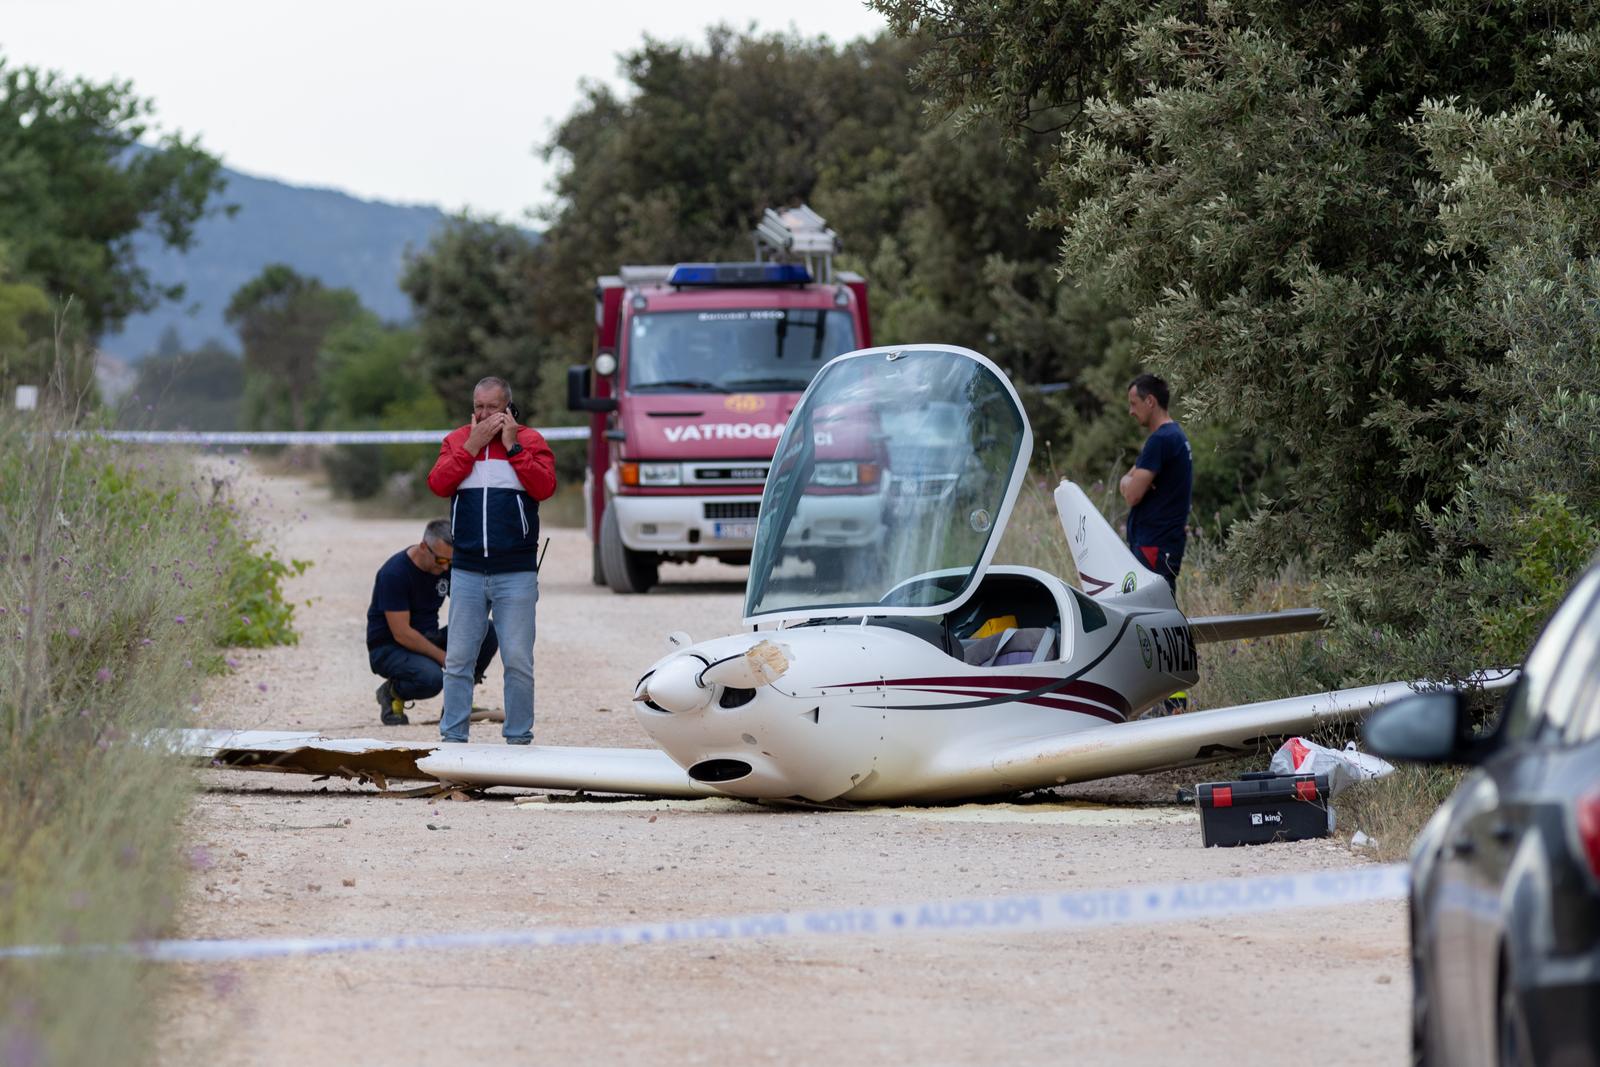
{"points": [[122, 580]]}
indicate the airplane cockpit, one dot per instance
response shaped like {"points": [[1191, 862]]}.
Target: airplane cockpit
{"points": [[928, 573]]}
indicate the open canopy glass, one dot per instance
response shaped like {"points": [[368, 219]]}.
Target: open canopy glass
{"points": [[890, 488]]}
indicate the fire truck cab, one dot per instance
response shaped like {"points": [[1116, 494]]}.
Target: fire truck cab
{"points": [[694, 371]]}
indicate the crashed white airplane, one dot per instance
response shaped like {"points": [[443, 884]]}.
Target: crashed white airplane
{"points": [[907, 670]]}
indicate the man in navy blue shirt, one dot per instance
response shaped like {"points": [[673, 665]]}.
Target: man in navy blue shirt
{"points": [[405, 644], [1160, 483]]}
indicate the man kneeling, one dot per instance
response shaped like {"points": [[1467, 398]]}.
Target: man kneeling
{"points": [[405, 644]]}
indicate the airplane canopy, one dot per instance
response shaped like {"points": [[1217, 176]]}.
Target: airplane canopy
{"points": [[890, 488]]}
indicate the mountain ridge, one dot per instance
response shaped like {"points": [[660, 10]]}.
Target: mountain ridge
{"points": [[343, 240]]}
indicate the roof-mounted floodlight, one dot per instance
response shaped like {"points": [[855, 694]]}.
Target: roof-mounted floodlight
{"points": [[735, 274], [797, 233]]}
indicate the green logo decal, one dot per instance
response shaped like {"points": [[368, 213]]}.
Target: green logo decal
{"points": [[1146, 649], [1129, 582]]}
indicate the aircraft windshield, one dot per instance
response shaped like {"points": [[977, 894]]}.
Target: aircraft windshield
{"points": [[750, 350], [938, 437]]}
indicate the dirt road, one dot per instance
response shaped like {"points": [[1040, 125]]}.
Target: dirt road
{"points": [[280, 856]]}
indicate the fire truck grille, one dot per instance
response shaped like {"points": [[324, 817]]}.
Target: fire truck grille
{"points": [[743, 509]]}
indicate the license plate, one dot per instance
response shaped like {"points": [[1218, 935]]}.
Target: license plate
{"points": [[733, 531]]}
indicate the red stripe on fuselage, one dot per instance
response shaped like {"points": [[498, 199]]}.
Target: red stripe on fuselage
{"points": [[1056, 703], [1017, 683], [1093, 586]]}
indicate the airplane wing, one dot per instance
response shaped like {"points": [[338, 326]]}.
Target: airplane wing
{"points": [[645, 771], [1158, 744]]}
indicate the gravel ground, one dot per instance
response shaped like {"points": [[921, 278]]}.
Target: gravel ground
{"points": [[284, 856]]}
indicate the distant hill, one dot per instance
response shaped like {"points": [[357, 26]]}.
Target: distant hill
{"points": [[344, 241]]}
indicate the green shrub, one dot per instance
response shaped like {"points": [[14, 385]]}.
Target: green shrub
{"points": [[261, 615]]}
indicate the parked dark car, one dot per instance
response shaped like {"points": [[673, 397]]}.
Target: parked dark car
{"points": [[1505, 879]]}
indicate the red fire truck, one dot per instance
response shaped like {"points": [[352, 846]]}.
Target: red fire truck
{"points": [[694, 372]]}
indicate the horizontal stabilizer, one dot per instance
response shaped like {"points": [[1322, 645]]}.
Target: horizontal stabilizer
{"points": [[1261, 624]]}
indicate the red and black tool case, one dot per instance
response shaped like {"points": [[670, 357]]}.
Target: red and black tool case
{"points": [[1262, 808]]}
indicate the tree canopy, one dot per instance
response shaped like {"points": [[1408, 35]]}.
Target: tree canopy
{"points": [[1359, 234], [477, 289], [283, 319], [77, 182]]}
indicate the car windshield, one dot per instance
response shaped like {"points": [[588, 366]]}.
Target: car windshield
{"points": [[754, 350], [945, 441]]}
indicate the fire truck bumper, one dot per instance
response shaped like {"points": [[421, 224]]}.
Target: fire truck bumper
{"points": [[709, 525]]}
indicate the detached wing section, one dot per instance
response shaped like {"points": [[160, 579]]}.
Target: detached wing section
{"points": [[1157, 744], [597, 770]]}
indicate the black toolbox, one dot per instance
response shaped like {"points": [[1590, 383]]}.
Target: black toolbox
{"points": [[1263, 807]]}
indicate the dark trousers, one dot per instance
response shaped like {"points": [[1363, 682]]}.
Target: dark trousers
{"points": [[418, 677]]}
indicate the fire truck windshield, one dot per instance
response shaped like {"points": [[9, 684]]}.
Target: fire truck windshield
{"points": [[772, 350]]}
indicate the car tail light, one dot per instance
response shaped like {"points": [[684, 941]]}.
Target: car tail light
{"points": [[1588, 815]]}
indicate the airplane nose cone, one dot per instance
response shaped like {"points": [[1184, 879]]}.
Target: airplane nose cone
{"points": [[675, 686]]}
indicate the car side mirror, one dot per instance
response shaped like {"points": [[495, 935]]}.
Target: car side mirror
{"points": [[1423, 728], [580, 396]]}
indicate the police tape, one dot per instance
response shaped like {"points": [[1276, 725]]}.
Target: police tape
{"points": [[305, 437], [1073, 910]]}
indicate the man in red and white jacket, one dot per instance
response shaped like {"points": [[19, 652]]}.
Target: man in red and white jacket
{"points": [[495, 473]]}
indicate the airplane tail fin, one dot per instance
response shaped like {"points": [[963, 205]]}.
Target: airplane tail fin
{"points": [[1106, 566]]}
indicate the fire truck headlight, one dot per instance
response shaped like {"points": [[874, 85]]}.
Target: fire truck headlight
{"points": [[659, 474], [834, 474]]}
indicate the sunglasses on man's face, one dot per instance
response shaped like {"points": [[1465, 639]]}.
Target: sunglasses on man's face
{"points": [[438, 560]]}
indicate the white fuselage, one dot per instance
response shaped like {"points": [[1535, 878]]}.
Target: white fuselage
{"points": [[871, 712]]}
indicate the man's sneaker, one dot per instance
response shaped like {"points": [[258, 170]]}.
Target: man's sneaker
{"points": [[391, 709]]}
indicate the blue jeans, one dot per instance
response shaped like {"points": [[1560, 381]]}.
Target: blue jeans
{"points": [[417, 677], [511, 598]]}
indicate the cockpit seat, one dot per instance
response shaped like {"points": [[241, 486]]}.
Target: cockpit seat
{"points": [[1011, 646]]}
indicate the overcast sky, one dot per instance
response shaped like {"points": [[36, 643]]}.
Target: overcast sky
{"points": [[395, 100]]}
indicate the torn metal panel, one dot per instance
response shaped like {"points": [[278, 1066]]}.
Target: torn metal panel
{"points": [[293, 752], [596, 770]]}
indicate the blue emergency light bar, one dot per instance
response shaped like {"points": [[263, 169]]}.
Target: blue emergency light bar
{"points": [[732, 274]]}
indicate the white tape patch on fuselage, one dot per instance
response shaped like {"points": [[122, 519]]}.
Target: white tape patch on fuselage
{"points": [[1067, 910]]}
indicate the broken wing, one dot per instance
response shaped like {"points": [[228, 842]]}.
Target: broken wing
{"points": [[644, 771]]}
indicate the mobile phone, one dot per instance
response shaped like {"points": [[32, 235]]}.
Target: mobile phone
{"points": [[515, 414]]}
